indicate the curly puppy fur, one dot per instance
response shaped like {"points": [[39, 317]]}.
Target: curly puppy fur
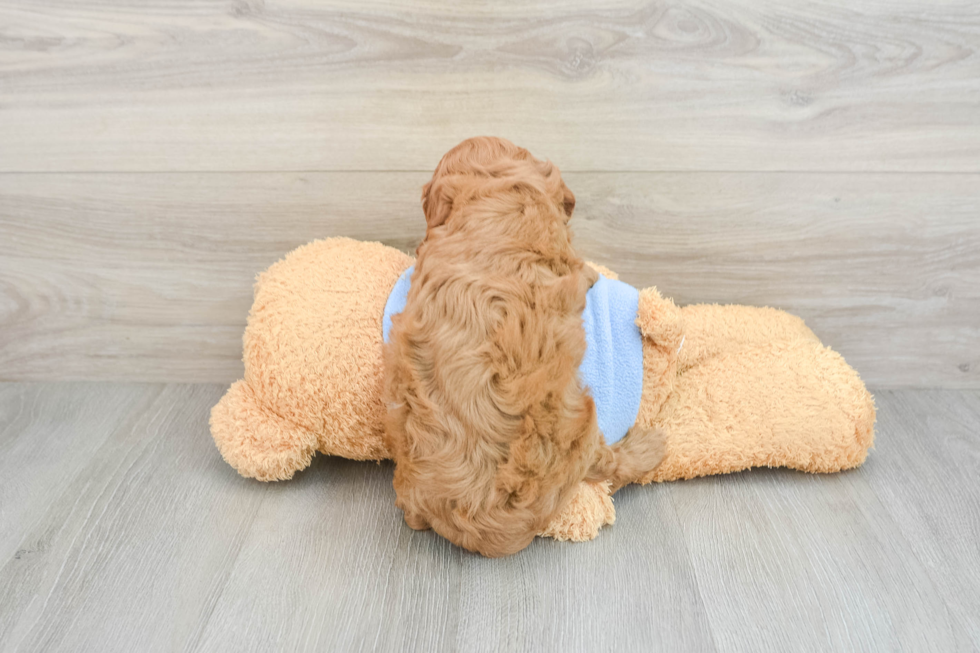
{"points": [[487, 422]]}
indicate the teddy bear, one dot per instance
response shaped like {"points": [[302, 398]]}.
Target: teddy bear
{"points": [[730, 387]]}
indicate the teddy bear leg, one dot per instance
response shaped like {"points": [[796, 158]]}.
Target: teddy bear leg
{"points": [[256, 441], [784, 404], [713, 329]]}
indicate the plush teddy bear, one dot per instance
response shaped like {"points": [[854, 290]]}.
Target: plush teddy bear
{"points": [[731, 387]]}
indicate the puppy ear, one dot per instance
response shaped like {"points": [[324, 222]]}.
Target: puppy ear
{"points": [[437, 201], [568, 199]]}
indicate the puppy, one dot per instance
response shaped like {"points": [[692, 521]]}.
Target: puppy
{"points": [[487, 422]]}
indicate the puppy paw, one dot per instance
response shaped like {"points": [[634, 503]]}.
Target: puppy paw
{"points": [[589, 510], [415, 522]]}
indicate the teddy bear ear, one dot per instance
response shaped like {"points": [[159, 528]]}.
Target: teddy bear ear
{"points": [[437, 201]]}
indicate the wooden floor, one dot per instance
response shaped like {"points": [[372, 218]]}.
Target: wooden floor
{"points": [[121, 529]]}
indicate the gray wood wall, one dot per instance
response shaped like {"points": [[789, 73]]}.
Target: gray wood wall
{"points": [[823, 158]]}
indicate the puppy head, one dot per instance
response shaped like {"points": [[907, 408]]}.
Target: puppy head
{"points": [[482, 165]]}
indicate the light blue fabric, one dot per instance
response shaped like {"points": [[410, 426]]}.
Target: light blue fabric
{"points": [[613, 364], [396, 300], [612, 368]]}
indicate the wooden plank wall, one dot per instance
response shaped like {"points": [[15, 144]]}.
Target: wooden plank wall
{"points": [[823, 158]]}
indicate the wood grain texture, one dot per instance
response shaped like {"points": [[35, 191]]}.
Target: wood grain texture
{"points": [[170, 85], [821, 553], [148, 541], [49, 433], [361, 580], [148, 276], [131, 553], [936, 505]]}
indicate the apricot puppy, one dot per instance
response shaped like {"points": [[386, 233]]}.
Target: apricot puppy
{"points": [[487, 421]]}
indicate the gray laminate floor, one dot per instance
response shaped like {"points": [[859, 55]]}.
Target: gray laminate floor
{"points": [[121, 529]]}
